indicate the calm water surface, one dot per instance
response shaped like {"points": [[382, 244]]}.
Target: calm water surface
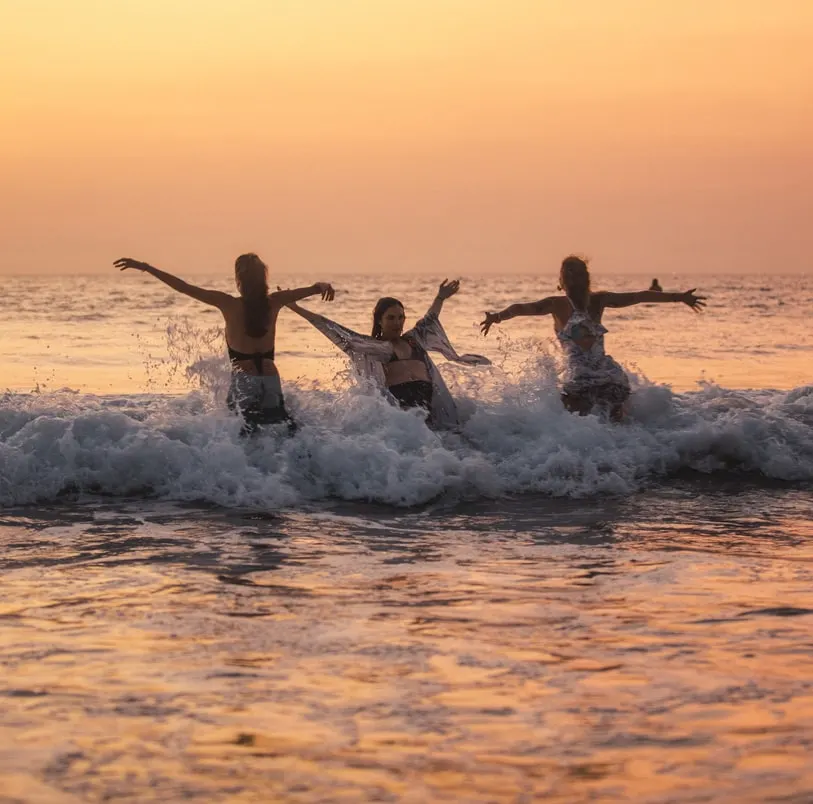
{"points": [[652, 648]]}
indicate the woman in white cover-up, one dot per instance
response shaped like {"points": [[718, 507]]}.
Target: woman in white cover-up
{"points": [[398, 362]]}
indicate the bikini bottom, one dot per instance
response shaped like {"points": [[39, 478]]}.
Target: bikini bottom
{"points": [[413, 394], [259, 400]]}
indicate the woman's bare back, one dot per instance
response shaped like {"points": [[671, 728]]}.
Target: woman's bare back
{"points": [[238, 340]]}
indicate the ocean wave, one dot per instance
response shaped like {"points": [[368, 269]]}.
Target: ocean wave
{"points": [[516, 439]]}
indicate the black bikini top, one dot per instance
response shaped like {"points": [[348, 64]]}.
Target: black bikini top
{"points": [[257, 357], [417, 353]]}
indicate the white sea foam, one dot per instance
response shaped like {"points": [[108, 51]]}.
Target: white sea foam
{"points": [[354, 446]]}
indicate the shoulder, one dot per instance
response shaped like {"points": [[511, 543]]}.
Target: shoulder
{"points": [[558, 304], [599, 299], [278, 298], [217, 298]]}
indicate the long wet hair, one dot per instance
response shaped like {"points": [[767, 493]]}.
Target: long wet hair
{"points": [[381, 307], [251, 275], [574, 279]]}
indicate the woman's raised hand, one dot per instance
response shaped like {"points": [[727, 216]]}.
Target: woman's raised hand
{"points": [[488, 321], [126, 262], [448, 288], [326, 291], [697, 303]]}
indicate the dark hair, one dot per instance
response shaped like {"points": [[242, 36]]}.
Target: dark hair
{"points": [[574, 278], [381, 307], [251, 275]]}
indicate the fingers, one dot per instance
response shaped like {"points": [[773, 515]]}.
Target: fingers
{"points": [[128, 262], [697, 303]]}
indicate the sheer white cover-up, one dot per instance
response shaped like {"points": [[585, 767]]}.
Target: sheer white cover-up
{"points": [[368, 355]]}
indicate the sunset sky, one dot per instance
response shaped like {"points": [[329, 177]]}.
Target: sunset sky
{"points": [[445, 136]]}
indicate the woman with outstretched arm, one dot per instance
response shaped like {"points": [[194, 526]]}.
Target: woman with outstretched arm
{"points": [[398, 362], [592, 380], [251, 323]]}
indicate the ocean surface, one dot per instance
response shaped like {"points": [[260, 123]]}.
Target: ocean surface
{"points": [[539, 607]]}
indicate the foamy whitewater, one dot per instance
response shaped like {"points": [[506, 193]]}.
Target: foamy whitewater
{"points": [[354, 446], [539, 607]]}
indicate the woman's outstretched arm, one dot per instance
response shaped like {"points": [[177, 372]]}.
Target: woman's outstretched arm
{"points": [[445, 291], [285, 297], [541, 307], [697, 303], [347, 340], [214, 297]]}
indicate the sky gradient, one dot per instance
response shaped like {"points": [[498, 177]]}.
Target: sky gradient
{"points": [[440, 136]]}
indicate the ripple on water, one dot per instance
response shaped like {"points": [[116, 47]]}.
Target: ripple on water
{"points": [[654, 648]]}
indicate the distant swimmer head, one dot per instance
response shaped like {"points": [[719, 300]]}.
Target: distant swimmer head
{"points": [[574, 279], [388, 318], [251, 276]]}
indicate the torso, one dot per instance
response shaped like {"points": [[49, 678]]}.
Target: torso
{"points": [[408, 364], [239, 341], [564, 310], [580, 331]]}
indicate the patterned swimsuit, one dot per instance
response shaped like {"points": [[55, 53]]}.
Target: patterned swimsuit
{"points": [[591, 375]]}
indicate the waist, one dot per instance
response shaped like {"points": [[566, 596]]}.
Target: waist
{"points": [[574, 354], [594, 371], [260, 362], [234, 354], [413, 393]]}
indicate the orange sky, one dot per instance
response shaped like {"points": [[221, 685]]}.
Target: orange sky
{"points": [[444, 136]]}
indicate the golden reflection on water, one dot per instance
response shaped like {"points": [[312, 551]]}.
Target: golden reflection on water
{"points": [[496, 670]]}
